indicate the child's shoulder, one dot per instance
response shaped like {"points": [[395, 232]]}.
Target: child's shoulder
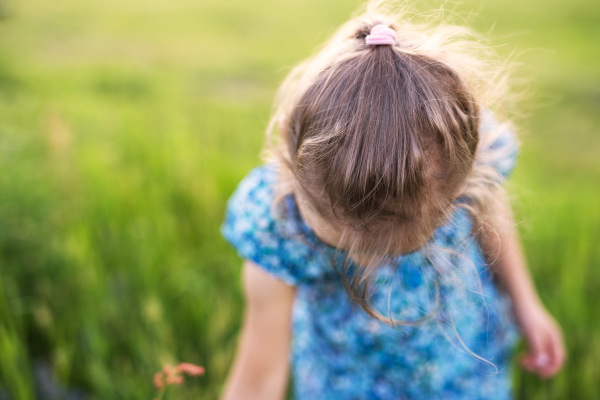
{"points": [[499, 146], [255, 189], [273, 240]]}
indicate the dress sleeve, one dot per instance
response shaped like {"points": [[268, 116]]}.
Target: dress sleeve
{"points": [[253, 231], [499, 145]]}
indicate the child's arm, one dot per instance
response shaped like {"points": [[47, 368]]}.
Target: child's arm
{"points": [[546, 351], [260, 368]]}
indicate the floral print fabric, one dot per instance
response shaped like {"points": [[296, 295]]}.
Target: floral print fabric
{"points": [[463, 348]]}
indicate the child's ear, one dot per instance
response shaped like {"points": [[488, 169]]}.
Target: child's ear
{"points": [[282, 127]]}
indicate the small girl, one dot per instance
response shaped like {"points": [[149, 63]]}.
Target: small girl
{"points": [[379, 252]]}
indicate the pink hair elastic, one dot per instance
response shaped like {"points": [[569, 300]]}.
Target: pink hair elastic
{"points": [[381, 34]]}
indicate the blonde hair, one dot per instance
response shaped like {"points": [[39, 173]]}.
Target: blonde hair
{"points": [[382, 140]]}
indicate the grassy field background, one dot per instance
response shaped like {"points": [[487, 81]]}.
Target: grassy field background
{"points": [[125, 126]]}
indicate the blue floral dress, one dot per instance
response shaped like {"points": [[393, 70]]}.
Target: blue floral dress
{"points": [[462, 352]]}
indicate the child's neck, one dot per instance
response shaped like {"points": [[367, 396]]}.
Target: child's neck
{"points": [[322, 230], [331, 236]]}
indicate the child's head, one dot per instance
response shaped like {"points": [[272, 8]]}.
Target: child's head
{"points": [[380, 140]]}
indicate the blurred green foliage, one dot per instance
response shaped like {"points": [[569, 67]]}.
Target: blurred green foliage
{"points": [[126, 125]]}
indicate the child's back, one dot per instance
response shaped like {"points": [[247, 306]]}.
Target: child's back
{"points": [[339, 353], [380, 212]]}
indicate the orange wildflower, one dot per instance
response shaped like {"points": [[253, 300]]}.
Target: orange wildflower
{"points": [[174, 379], [190, 369], [158, 381], [172, 376]]}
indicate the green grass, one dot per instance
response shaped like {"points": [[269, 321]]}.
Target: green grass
{"points": [[125, 126]]}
